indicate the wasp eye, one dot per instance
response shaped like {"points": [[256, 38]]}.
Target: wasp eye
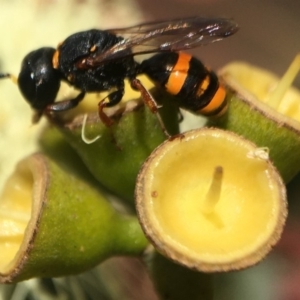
{"points": [[38, 81]]}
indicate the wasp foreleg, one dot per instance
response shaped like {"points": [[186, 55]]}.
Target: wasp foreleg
{"points": [[65, 104], [113, 99]]}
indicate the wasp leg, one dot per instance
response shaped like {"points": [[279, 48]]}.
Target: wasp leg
{"points": [[58, 107], [150, 102], [65, 104], [113, 99]]}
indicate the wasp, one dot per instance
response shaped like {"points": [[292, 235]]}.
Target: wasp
{"points": [[99, 60]]}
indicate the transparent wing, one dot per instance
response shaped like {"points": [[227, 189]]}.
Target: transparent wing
{"points": [[171, 35]]}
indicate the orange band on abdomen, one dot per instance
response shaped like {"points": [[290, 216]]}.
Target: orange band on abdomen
{"points": [[215, 102], [178, 74], [203, 86]]}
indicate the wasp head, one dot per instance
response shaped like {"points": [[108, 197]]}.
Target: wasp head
{"points": [[38, 81]]}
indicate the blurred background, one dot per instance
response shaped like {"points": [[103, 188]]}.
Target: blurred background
{"points": [[269, 37]]}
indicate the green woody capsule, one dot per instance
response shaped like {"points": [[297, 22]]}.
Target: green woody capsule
{"points": [[266, 111], [117, 155], [53, 224]]}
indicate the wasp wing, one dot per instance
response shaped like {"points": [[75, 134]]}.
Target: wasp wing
{"points": [[171, 35]]}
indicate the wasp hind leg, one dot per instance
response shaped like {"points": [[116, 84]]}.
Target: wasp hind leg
{"points": [[150, 102]]}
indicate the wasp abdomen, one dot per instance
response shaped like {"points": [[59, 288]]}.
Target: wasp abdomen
{"points": [[184, 76]]}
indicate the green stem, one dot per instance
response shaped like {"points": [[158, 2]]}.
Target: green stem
{"points": [[129, 238], [173, 281]]}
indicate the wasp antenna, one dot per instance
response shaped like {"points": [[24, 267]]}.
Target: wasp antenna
{"points": [[83, 136], [14, 79], [4, 75], [7, 75]]}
